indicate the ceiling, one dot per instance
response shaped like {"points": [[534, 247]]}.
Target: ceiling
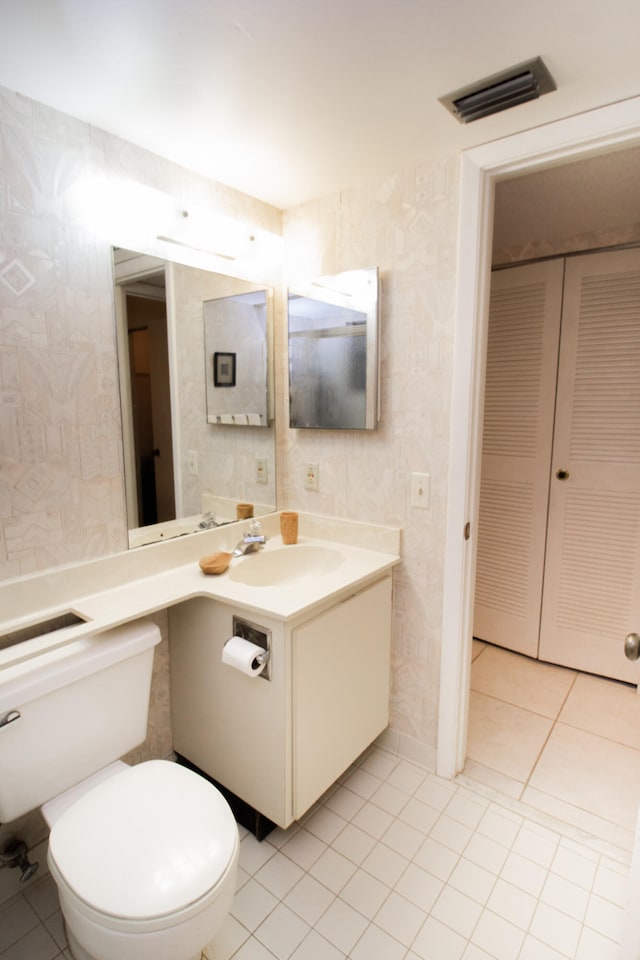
{"points": [[290, 100]]}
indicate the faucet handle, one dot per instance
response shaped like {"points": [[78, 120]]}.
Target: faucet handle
{"points": [[255, 528]]}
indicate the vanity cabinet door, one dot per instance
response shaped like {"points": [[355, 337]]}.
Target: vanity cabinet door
{"points": [[340, 684]]}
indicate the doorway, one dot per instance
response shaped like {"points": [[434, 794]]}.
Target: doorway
{"points": [[140, 289], [608, 128]]}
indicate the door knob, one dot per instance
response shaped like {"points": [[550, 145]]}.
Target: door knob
{"points": [[632, 646], [562, 474]]}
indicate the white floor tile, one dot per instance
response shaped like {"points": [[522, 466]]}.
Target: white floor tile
{"points": [[342, 926], [436, 858], [379, 944], [303, 848], [512, 904], [503, 737], [605, 917], [451, 834], [252, 904], [500, 938], [372, 820], [556, 929], [523, 873], [385, 864], [344, 802], [282, 932], [365, 894], [538, 687], [457, 911], [486, 853], [533, 949], [333, 870], [437, 940], [400, 918], [309, 899], [315, 947], [395, 864], [406, 777], [593, 946], [419, 887], [565, 896], [403, 838], [605, 708], [279, 875], [577, 765], [353, 843], [474, 881]]}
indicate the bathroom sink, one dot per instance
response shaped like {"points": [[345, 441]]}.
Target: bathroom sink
{"points": [[273, 568]]}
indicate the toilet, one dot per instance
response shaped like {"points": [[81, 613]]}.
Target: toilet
{"points": [[144, 857]]}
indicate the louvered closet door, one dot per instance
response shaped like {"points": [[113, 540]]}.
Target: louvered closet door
{"points": [[522, 358], [591, 597]]}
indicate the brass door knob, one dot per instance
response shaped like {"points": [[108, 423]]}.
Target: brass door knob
{"points": [[632, 646]]}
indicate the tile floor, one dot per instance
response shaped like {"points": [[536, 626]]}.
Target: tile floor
{"points": [[563, 742], [396, 864]]}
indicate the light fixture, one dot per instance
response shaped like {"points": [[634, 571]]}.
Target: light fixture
{"points": [[526, 81]]}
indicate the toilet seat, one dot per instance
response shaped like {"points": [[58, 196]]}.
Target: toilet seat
{"points": [[145, 849]]}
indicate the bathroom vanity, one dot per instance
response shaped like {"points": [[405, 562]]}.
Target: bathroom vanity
{"points": [[278, 740]]}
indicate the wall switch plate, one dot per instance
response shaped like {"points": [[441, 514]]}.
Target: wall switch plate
{"points": [[421, 490], [311, 476], [262, 470], [193, 463]]}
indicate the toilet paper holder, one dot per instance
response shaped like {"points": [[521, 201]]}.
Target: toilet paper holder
{"points": [[261, 636]]}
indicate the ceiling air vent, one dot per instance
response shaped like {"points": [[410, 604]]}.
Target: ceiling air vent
{"points": [[527, 81]]}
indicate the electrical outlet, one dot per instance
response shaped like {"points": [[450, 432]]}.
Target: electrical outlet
{"points": [[262, 470], [311, 476], [193, 463], [421, 490]]}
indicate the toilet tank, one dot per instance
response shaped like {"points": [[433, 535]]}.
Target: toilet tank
{"points": [[81, 706]]}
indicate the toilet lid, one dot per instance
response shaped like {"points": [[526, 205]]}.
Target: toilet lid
{"points": [[146, 843]]}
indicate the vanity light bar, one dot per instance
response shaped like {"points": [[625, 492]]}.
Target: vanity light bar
{"points": [[519, 84]]}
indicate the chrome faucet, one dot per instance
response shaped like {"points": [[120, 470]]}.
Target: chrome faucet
{"points": [[208, 521], [249, 543]]}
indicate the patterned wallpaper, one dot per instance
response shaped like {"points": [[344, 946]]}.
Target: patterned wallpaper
{"points": [[61, 470], [61, 493], [405, 224]]}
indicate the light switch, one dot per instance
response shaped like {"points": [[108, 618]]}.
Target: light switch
{"points": [[421, 490]]}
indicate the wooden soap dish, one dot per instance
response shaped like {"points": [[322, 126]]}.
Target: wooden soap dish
{"points": [[215, 563]]}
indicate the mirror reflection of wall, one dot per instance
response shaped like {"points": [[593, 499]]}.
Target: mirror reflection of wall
{"points": [[208, 469], [333, 352], [236, 359]]}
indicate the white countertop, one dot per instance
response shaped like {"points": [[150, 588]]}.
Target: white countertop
{"points": [[124, 587]]}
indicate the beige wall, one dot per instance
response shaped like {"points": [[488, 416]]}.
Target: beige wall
{"points": [[406, 224], [61, 486], [60, 410], [60, 422]]}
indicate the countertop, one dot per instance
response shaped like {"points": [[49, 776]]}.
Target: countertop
{"points": [[108, 592]]}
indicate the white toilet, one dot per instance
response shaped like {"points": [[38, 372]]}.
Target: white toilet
{"points": [[145, 856]]}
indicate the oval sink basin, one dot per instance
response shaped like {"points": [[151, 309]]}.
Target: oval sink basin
{"points": [[276, 568]]}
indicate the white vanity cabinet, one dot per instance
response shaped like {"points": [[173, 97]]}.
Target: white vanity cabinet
{"points": [[339, 690], [279, 743]]}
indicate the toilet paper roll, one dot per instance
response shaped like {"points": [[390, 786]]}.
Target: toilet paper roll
{"points": [[244, 656]]}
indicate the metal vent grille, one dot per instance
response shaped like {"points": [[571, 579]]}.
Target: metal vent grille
{"points": [[527, 81]]}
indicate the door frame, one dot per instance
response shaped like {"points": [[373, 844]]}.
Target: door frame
{"points": [[575, 138]]}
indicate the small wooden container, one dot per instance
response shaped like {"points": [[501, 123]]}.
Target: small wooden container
{"points": [[244, 511], [289, 526], [215, 563]]}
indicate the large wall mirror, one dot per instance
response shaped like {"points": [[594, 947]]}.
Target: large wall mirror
{"points": [[186, 465], [333, 352]]}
